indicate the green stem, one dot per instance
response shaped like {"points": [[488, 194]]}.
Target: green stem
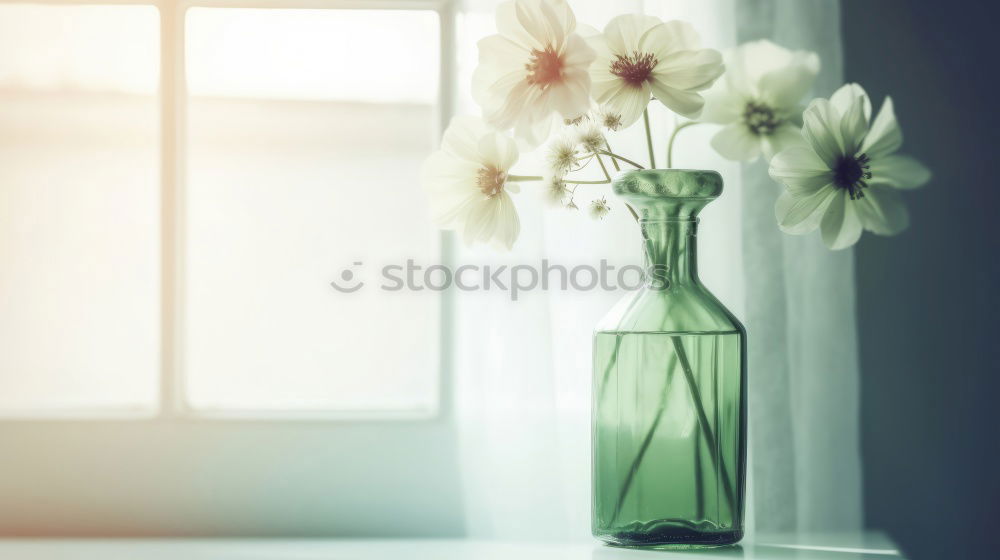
{"points": [[670, 143], [604, 168], [703, 421], [602, 182], [649, 138], [703, 426], [516, 178], [646, 441], [613, 160], [625, 159]]}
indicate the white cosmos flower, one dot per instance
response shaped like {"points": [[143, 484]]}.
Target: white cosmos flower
{"points": [[640, 55], [845, 178], [760, 100], [467, 183], [533, 74]]}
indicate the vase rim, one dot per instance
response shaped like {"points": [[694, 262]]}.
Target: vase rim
{"points": [[705, 184]]}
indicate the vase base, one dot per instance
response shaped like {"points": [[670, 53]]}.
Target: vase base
{"points": [[671, 534]]}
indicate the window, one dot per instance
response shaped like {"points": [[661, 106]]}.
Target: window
{"points": [[79, 208], [167, 239]]}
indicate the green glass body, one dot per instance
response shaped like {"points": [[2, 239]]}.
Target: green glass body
{"points": [[669, 393]]}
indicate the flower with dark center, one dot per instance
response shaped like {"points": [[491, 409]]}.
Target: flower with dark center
{"points": [[490, 181], [634, 69], [544, 68], [760, 118], [852, 173], [844, 176]]}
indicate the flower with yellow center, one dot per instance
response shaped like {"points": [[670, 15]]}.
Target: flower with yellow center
{"points": [[532, 75], [468, 183]]}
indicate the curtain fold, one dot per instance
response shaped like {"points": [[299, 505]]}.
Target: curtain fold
{"points": [[521, 370]]}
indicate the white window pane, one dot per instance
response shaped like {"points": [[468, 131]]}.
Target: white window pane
{"points": [[79, 208], [289, 182]]}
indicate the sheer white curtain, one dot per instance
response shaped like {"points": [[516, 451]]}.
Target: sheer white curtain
{"points": [[521, 369]]}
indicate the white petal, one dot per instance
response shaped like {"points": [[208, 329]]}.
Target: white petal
{"points": [[749, 62], [802, 214], [628, 101], [841, 226], [462, 136], [571, 98], [884, 137], [450, 186], [689, 70], [800, 169], [723, 104], [882, 211], [684, 103], [502, 52], [558, 19], [846, 95], [577, 54], [623, 32], [480, 223], [736, 142], [588, 32], [508, 223], [784, 87], [531, 133], [854, 122], [497, 150], [670, 37], [900, 171], [518, 26], [821, 129], [784, 137]]}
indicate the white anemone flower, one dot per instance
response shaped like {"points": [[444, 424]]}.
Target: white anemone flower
{"points": [[760, 99], [533, 75], [639, 56], [467, 183], [846, 176]]}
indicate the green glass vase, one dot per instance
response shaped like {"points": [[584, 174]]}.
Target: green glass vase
{"points": [[669, 398]]}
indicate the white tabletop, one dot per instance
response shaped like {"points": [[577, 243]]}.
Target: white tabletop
{"points": [[800, 547]]}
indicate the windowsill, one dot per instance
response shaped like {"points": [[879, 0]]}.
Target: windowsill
{"points": [[841, 546]]}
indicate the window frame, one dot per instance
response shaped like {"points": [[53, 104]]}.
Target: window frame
{"points": [[172, 107]]}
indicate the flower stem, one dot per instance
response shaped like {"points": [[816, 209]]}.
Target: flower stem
{"points": [[601, 182], [649, 138], [703, 421], [613, 160], [625, 159], [637, 462], [703, 427], [517, 178], [604, 168], [670, 143]]}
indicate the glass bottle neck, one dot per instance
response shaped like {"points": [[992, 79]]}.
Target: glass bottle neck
{"points": [[670, 249]]}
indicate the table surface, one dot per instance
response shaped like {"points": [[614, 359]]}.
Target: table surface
{"points": [[854, 546]]}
